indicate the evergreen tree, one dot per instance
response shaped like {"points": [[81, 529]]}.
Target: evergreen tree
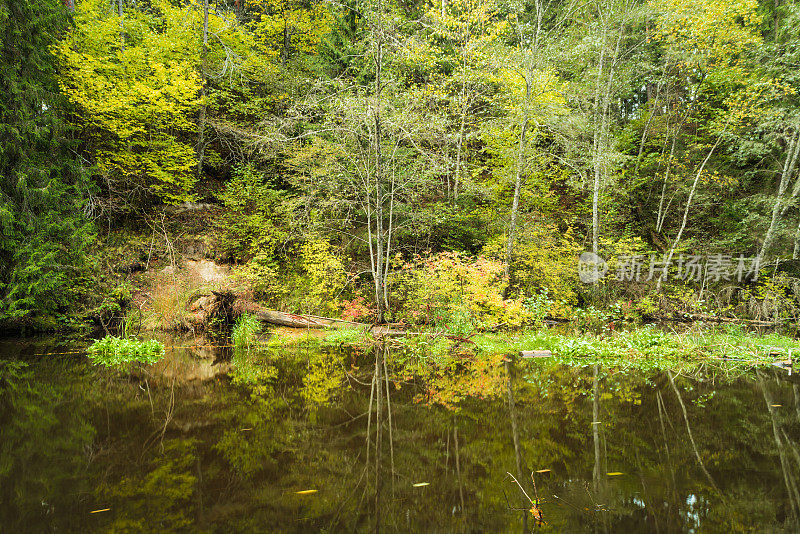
{"points": [[43, 229]]}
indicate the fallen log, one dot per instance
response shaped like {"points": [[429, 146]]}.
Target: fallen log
{"points": [[535, 354], [687, 317], [203, 307]]}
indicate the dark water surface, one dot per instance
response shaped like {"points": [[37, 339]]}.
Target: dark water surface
{"points": [[279, 442]]}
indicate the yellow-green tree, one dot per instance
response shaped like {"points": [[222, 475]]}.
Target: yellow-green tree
{"points": [[285, 28], [133, 79], [467, 29], [712, 44]]}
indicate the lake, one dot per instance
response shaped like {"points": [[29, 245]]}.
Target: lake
{"points": [[310, 439]]}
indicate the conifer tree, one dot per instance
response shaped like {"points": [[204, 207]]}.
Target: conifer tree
{"points": [[43, 230]]}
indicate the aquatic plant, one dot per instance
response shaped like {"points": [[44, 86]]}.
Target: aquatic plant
{"points": [[114, 351], [356, 337], [245, 331], [645, 347]]}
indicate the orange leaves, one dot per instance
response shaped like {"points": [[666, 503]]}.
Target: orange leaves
{"points": [[451, 284]]}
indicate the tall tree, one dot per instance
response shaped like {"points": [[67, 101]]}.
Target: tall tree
{"points": [[470, 27], [135, 103], [723, 90], [360, 166], [43, 231], [201, 123]]}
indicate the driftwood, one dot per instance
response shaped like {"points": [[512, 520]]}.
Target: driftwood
{"points": [[226, 306], [535, 354], [715, 319]]}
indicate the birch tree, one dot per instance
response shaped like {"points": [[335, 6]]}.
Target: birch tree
{"points": [[598, 46], [534, 102], [360, 167], [783, 198], [709, 41]]}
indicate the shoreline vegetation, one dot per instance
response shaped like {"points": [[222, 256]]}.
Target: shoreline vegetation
{"points": [[462, 200], [642, 347]]}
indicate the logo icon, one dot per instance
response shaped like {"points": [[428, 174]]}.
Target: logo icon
{"points": [[591, 267]]}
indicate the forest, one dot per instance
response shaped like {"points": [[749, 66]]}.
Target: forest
{"points": [[441, 164], [545, 255]]}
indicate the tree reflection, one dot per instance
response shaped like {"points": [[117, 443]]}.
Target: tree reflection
{"points": [[314, 440]]}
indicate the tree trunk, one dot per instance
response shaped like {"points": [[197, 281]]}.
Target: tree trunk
{"points": [[378, 264], [121, 25], [788, 169], [286, 43], [460, 142], [662, 210], [677, 240], [201, 123], [512, 229], [596, 156]]}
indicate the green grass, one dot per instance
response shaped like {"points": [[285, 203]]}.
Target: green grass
{"points": [[646, 347], [245, 331], [347, 337], [643, 347]]}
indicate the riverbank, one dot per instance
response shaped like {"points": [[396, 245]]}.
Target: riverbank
{"points": [[643, 347], [169, 272]]}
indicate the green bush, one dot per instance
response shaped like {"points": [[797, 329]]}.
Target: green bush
{"points": [[114, 351], [253, 229]]}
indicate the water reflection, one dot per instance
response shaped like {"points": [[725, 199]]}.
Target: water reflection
{"points": [[300, 441]]}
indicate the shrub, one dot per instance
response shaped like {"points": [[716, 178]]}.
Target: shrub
{"points": [[356, 310], [545, 259], [321, 278], [454, 292], [170, 293], [252, 231]]}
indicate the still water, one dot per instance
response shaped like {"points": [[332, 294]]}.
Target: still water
{"points": [[304, 441]]}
